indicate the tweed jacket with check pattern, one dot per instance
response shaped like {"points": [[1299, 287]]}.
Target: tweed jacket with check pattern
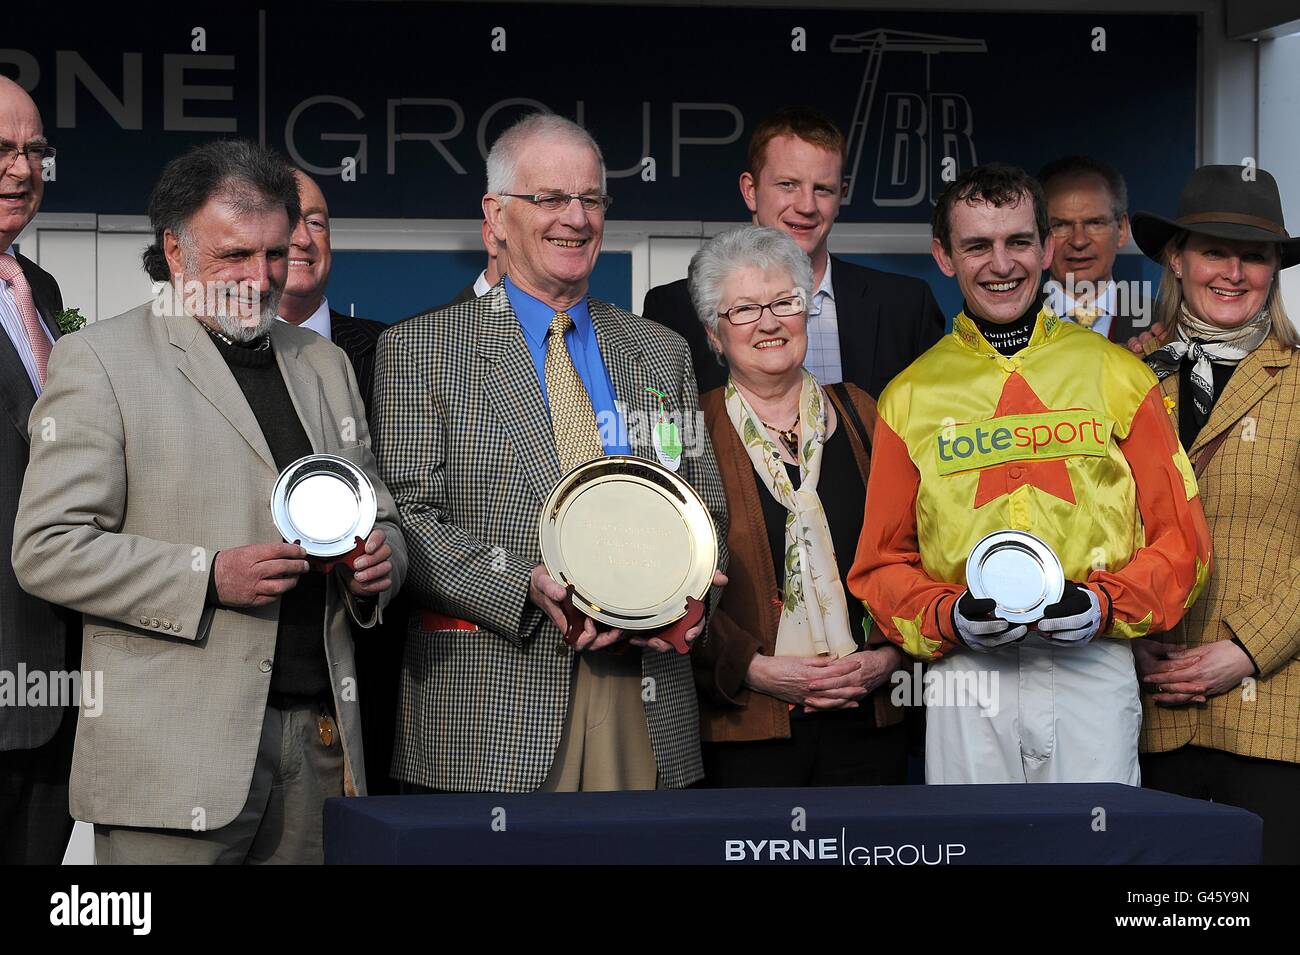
{"points": [[1251, 495], [463, 439]]}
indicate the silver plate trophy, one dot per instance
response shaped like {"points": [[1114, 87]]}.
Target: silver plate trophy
{"points": [[1019, 572], [324, 502]]}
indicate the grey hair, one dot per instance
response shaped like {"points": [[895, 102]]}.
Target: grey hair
{"points": [[247, 177], [503, 157], [747, 245], [1070, 167]]}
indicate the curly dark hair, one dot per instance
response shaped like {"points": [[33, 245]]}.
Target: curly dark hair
{"points": [[997, 183], [248, 177]]}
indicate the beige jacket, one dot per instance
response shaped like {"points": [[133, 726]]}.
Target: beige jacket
{"points": [[1251, 493], [146, 460]]}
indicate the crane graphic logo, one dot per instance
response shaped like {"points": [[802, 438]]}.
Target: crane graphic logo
{"points": [[917, 131]]}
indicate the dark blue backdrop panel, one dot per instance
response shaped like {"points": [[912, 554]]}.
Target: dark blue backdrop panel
{"points": [[388, 286], [895, 825], [415, 91]]}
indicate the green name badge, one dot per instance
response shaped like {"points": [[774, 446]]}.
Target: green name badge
{"points": [[668, 444]]}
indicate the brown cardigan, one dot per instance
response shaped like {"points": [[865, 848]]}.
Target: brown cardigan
{"points": [[746, 618]]}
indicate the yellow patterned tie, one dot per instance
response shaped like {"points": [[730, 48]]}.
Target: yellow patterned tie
{"points": [[573, 422], [1083, 315]]}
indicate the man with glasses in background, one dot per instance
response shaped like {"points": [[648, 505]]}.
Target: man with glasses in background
{"points": [[479, 410], [35, 740], [1087, 212]]}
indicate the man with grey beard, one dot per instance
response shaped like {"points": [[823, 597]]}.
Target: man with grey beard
{"points": [[231, 699]]}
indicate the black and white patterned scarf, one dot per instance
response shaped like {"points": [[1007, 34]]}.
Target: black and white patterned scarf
{"points": [[1201, 343]]}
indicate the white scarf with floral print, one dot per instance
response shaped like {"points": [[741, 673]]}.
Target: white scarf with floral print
{"points": [[814, 614]]}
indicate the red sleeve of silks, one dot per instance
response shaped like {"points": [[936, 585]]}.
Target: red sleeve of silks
{"points": [[1167, 574], [913, 610]]}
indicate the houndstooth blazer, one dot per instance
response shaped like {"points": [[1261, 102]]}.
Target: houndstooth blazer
{"points": [[463, 440], [1251, 495]]}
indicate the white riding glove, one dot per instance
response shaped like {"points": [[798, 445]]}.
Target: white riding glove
{"points": [[1074, 619], [978, 629]]}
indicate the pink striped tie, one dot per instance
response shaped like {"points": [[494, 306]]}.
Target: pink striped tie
{"points": [[12, 272]]}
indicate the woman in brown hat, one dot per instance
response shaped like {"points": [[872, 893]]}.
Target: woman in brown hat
{"points": [[1222, 720]]}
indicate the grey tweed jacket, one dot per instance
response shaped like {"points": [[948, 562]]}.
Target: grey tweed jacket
{"points": [[463, 440]]}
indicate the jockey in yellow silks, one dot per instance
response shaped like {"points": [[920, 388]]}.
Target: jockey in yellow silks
{"points": [[1026, 422]]}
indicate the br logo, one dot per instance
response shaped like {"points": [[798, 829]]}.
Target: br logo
{"points": [[918, 130]]}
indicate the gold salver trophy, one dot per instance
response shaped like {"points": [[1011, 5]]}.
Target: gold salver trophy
{"points": [[635, 545]]}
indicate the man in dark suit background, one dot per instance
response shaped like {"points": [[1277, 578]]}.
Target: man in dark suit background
{"points": [[378, 651], [35, 739], [864, 325], [304, 302]]}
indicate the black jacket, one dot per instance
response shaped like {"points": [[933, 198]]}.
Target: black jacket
{"points": [[467, 294], [32, 632], [358, 337], [885, 322], [378, 651]]}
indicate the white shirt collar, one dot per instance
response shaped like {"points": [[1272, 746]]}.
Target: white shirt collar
{"points": [[319, 322], [481, 285], [825, 284], [823, 292]]}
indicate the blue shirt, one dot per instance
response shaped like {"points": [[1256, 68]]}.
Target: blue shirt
{"points": [[535, 318]]}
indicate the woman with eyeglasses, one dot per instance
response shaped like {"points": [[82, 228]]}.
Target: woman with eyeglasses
{"points": [[1222, 718], [792, 691]]}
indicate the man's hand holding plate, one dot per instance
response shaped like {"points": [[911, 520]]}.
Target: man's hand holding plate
{"points": [[257, 574], [372, 571], [662, 646], [549, 595]]}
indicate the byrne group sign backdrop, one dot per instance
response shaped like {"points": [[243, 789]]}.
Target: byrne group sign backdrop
{"points": [[414, 93]]}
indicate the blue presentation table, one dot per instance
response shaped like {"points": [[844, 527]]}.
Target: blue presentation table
{"points": [[884, 825]]}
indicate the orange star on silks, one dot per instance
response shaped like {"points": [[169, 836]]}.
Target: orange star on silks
{"points": [[1050, 476]]}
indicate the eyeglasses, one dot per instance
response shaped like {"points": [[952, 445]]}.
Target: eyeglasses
{"points": [[1093, 227], [749, 313], [36, 153], [555, 201]]}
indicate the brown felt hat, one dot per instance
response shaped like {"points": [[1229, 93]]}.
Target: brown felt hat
{"points": [[1240, 203]]}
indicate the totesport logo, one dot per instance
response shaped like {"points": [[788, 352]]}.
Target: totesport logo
{"points": [[1026, 437]]}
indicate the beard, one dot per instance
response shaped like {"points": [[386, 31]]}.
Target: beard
{"points": [[256, 318], [241, 314]]}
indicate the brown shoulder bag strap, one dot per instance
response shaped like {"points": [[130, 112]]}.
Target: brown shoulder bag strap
{"points": [[845, 403]]}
